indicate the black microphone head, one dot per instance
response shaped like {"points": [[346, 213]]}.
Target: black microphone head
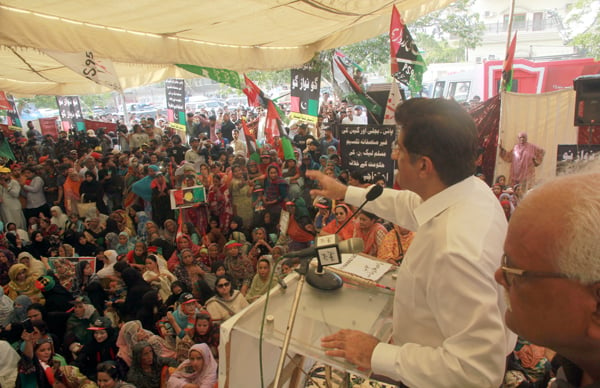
{"points": [[374, 192]]}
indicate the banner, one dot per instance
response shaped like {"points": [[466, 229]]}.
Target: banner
{"points": [[175, 93], [408, 65], [95, 125], [368, 148], [69, 109], [305, 88], [4, 103], [187, 197], [573, 158], [12, 114], [227, 77], [48, 127], [86, 64]]}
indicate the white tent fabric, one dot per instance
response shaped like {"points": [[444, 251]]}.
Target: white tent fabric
{"points": [[145, 38], [548, 121]]}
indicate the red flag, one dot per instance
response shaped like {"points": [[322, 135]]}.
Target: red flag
{"points": [[4, 104], [272, 123], [253, 92], [507, 69], [408, 66]]}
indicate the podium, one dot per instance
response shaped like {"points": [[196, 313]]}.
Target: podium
{"points": [[320, 313]]}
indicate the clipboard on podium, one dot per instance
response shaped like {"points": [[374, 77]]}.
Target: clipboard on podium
{"points": [[355, 306]]}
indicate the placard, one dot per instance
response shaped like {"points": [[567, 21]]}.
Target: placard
{"points": [[368, 148], [571, 158], [187, 197], [305, 87], [69, 109], [175, 93]]}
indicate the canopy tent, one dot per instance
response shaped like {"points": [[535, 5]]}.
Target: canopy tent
{"points": [[145, 38]]}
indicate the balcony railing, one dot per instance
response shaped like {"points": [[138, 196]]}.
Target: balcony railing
{"points": [[529, 26]]}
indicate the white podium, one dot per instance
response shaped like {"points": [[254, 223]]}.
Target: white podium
{"points": [[320, 313]]}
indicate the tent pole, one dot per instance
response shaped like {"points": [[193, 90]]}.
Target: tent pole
{"points": [[510, 23]]}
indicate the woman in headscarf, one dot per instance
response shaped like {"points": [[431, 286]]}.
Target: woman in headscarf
{"points": [[6, 308], [108, 270], [15, 243], [137, 257], [205, 331], [276, 191], [260, 282], [219, 201], [10, 206], [161, 202], [170, 230], [124, 245], [39, 368], [183, 242], [189, 270], [136, 288], [58, 217], [159, 278], [7, 258], [84, 277], [370, 231], [39, 245], [342, 213], [147, 366], [22, 283], [71, 191], [227, 302], [241, 193], [130, 334], [238, 266], [199, 370]]}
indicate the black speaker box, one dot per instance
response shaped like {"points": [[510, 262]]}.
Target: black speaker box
{"points": [[587, 100]]}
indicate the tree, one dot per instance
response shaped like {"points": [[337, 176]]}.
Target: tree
{"points": [[583, 23], [453, 22]]}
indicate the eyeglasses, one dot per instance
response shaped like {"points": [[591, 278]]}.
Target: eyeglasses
{"points": [[511, 273], [223, 285]]}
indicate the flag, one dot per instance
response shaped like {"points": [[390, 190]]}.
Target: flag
{"points": [[224, 76], [4, 103], [5, 150], [348, 85], [250, 142], [287, 148], [408, 65], [507, 69], [394, 98], [272, 123], [253, 92], [88, 65]]}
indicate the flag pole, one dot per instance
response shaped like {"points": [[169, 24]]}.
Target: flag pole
{"points": [[508, 36]]}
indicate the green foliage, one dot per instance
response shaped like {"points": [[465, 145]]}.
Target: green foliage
{"points": [[438, 51], [270, 79], [589, 40], [369, 53]]}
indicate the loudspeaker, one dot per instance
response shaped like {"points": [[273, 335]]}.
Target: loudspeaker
{"points": [[587, 100]]}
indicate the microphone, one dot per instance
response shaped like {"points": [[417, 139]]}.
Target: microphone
{"points": [[374, 192], [351, 245]]}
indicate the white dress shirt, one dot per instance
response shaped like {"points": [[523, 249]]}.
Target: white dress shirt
{"points": [[448, 328]]}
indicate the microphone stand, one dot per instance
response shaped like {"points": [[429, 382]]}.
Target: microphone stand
{"points": [[290, 326]]}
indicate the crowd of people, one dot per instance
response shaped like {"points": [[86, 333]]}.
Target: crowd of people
{"points": [[106, 283]]}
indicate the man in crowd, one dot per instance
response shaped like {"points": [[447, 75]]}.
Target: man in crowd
{"points": [[448, 327], [551, 274]]}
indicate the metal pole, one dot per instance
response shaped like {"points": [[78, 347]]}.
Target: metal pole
{"points": [[288, 333]]}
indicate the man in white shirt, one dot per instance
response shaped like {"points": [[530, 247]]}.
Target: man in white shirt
{"points": [[238, 145], [448, 328]]}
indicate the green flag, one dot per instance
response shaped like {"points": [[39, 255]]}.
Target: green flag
{"points": [[5, 150], [224, 76]]}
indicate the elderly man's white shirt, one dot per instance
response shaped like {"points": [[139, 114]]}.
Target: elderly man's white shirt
{"points": [[448, 311]]}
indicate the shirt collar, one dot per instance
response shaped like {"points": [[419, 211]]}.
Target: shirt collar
{"points": [[444, 199]]}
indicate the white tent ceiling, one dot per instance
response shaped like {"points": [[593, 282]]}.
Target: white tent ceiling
{"points": [[145, 38]]}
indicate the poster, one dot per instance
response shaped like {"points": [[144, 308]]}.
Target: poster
{"points": [[187, 197], [571, 158], [95, 125], [368, 148], [175, 93], [75, 260], [69, 109], [305, 88], [48, 127]]}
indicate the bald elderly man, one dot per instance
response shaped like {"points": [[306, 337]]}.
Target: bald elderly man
{"points": [[551, 274]]}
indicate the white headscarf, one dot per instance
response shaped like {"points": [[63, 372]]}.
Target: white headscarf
{"points": [[206, 378], [61, 218], [108, 270]]}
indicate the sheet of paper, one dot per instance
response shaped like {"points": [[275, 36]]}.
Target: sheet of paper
{"points": [[362, 266]]}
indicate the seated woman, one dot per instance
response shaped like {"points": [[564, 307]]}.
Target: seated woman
{"points": [[199, 370], [79, 321], [260, 282], [38, 367], [342, 213], [227, 302], [204, 331], [371, 231], [124, 246], [238, 266], [102, 348], [108, 376], [147, 366], [137, 257], [22, 282], [183, 242], [159, 278], [394, 245], [189, 270], [260, 244], [136, 288], [130, 334]]}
